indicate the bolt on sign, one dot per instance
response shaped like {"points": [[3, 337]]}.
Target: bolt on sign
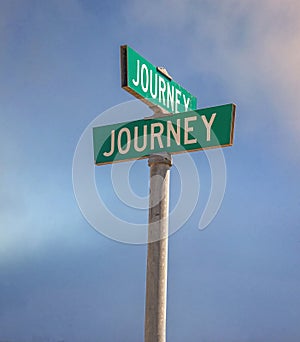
{"points": [[153, 85], [183, 132]]}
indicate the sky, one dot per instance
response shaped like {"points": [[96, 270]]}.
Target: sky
{"points": [[238, 280]]}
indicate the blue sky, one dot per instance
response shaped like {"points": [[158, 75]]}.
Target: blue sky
{"points": [[60, 280]]}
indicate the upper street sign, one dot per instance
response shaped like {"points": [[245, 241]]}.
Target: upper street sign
{"points": [[178, 133], [152, 84]]}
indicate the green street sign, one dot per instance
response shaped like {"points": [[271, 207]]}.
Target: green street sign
{"points": [[153, 85], [185, 132]]}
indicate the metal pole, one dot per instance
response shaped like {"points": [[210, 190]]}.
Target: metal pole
{"points": [[157, 259]]}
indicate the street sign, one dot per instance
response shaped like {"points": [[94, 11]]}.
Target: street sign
{"points": [[178, 133], [153, 85]]}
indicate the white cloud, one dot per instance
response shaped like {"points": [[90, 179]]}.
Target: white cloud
{"points": [[250, 45]]}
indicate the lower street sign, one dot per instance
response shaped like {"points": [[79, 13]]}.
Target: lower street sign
{"points": [[178, 133]]}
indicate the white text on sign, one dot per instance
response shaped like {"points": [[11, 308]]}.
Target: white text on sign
{"points": [[156, 131]]}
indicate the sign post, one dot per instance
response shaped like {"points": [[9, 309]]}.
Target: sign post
{"points": [[187, 129], [157, 255]]}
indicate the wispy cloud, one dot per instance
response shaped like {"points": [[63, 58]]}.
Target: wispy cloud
{"points": [[252, 46]]}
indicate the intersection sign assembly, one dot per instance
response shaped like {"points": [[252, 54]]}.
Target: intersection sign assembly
{"points": [[176, 126]]}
